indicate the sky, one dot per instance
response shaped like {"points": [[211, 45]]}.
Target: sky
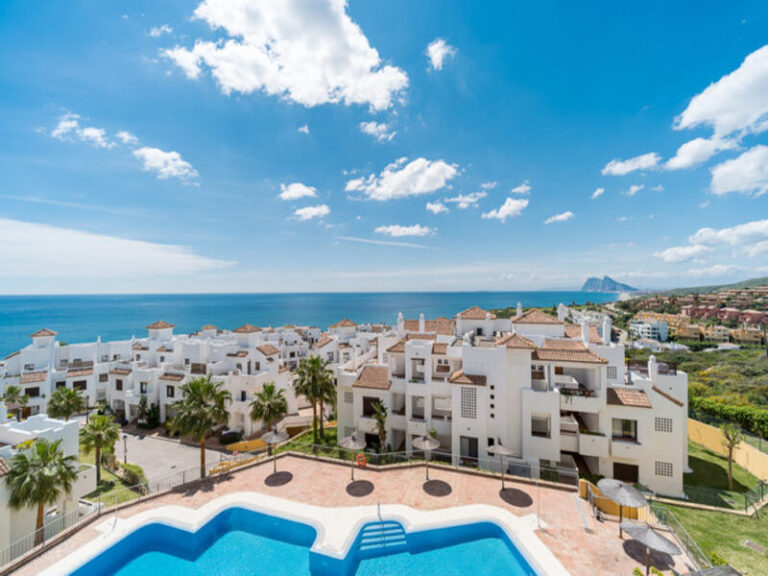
{"points": [[318, 145]]}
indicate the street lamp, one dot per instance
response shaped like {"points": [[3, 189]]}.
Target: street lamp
{"points": [[125, 448]]}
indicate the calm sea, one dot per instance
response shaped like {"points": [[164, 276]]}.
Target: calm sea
{"points": [[114, 317]]}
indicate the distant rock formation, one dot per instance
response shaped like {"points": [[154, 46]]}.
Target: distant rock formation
{"points": [[605, 284]]}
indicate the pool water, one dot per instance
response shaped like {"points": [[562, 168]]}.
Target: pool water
{"points": [[240, 542]]}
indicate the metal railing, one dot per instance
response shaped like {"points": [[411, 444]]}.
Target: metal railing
{"points": [[665, 517]]}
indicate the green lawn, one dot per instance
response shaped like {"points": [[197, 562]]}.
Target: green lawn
{"points": [[726, 533], [111, 490], [327, 447], [708, 484]]}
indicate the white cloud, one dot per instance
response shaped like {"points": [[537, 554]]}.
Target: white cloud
{"points": [[714, 270], [697, 151], [437, 207], [310, 212], [559, 217], [165, 164], [381, 131], [489, 185], [437, 52], [597, 193], [304, 129], [158, 31], [683, 253], [464, 201], [127, 138], [747, 173], [69, 128], [401, 180], [33, 250], [634, 189], [734, 104], [740, 235], [309, 52], [382, 243], [296, 190], [512, 207], [524, 188], [658, 188], [621, 167], [397, 231]]}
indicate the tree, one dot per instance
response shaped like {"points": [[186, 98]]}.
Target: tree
{"points": [[100, 435], [269, 406], [203, 407], [143, 410], [732, 437], [38, 477], [15, 398], [65, 402], [315, 383], [380, 415]]}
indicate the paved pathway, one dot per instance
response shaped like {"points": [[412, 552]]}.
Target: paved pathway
{"points": [[160, 457]]}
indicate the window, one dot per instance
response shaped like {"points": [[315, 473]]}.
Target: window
{"points": [[29, 367], [612, 373], [541, 425], [663, 469], [118, 385], [242, 395], [537, 373], [170, 391], [61, 384], [493, 387], [32, 392], [103, 377], [368, 403], [77, 361], [105, 357], [115, 356], [468, 403], [625, 430], [492, 406], [493, 396], [63, 363], [162, 358], [143, 387], [662, 424], [186, 361], [348, 397], [138, 357], [80, 385]]}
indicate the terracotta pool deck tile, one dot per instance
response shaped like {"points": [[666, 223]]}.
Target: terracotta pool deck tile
{"points": [[588, 552]]}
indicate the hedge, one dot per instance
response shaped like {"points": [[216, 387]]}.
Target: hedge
{"points": [[751, 419], [133, 474]]}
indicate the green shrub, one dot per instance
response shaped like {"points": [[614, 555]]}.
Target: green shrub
{"points": [[133, 474], [716, 559], [637, 572], [750, 418]]}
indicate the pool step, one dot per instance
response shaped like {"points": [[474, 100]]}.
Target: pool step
{"points": [[385, 537]]}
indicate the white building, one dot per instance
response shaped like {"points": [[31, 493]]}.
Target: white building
{"points": [[554, 392], [649, 330]]}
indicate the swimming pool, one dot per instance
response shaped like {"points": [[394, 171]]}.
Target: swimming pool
{"points": [[238, 541]]}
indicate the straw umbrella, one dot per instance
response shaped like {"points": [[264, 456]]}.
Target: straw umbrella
{"points": [[647, 536], [623, 494], [352, 443], [272, 438], [427, 444], [501, 451]]}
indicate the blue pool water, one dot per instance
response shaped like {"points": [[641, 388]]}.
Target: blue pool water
{"points": [[239, 542]]}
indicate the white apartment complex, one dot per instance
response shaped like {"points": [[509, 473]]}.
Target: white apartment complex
{"points": [[649, 330], [550, 390]]}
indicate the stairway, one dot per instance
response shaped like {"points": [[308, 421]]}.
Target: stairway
{"points": [[381, 538]]}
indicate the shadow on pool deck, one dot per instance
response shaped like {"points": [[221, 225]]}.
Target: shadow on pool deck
{"points": [[360, 488]]}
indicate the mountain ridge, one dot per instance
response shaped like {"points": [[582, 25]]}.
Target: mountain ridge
{"points": [[605, 284]]}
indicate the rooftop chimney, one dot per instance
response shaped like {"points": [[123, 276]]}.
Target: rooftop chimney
{"points": [[422, 324], [585, 332], [519, 310], [562, 312], [607, 326]]}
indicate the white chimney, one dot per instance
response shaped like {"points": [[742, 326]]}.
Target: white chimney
{"points": [[400, 325], [652, 367], [422, 324], [458, 325], [519, 310], [488, 328], [585, 332], [562, 312], [607, 327]]}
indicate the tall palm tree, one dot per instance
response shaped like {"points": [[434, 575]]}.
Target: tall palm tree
{"points": [[327, 391], [203, 407], [380, 415], [39, 477], [15, 398], [100, 434], [315, 382], [269, 406], [65, 402]]}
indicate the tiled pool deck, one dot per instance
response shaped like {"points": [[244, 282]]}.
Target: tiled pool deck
{"points": [[594, 549]]}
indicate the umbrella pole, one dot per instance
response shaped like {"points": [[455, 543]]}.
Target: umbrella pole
{"points": [[621, 509], [501, 463], [426, 460], [647, 560], [353, 471], [274, 465]]}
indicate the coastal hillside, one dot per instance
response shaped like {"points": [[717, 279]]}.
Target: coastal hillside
{"points": [[605, 284], [744, 284]]}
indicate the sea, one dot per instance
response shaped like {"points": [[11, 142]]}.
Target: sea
{"points": [[117, 317]]}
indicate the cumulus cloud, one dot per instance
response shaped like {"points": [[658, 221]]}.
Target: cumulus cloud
{"points": [[512, 207], [562, 217], [714, 270], [296, 190], [621, 167], [597, 193], [165, 164], [697, 151], [381, 131], [158, 31], [397, 231], [634, 189], [740, 235], [489, 185], [683, 253], [438, 51], [524, 188], [310, 212], [304, 129], [403, 179], [437, 207], [747, 174], [69, 128], [311, 53], [464, 201], [33, 250], [127, 138]]}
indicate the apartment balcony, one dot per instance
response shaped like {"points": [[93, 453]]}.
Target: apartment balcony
{"points": [[593, 444], [579, 402], [626, 448], [366, 424], [540, 385], [441, 414], [569, 441], [397, 419], [417, 426]]}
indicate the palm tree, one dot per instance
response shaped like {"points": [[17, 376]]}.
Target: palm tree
{"points": [[15, 398], [38, 477], [203, 407], [327, 390], [100, 434], [732, 437], [380, 415], [269, 406], [65, 402], [315, 383]]}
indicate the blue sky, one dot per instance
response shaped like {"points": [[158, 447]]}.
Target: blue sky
{"points": [[216, 146]]}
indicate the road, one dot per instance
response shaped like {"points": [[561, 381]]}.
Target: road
{"points": [[161, 457]]}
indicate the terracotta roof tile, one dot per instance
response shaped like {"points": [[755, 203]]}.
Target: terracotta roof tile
{"points": [[515, 341], [209, 327], [160, 325], [373, 377], [474, 313], [247, 329], [43, 332], [628, 397], [535, 316], [268, 349], [459, 377], [120, 371], [324, 341], [567, 353], [238, 354], [346, 323], [172, 377], [442, 325], [399, 346], [440, 348], [79, 372], [574, 331], [33, 377]]}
